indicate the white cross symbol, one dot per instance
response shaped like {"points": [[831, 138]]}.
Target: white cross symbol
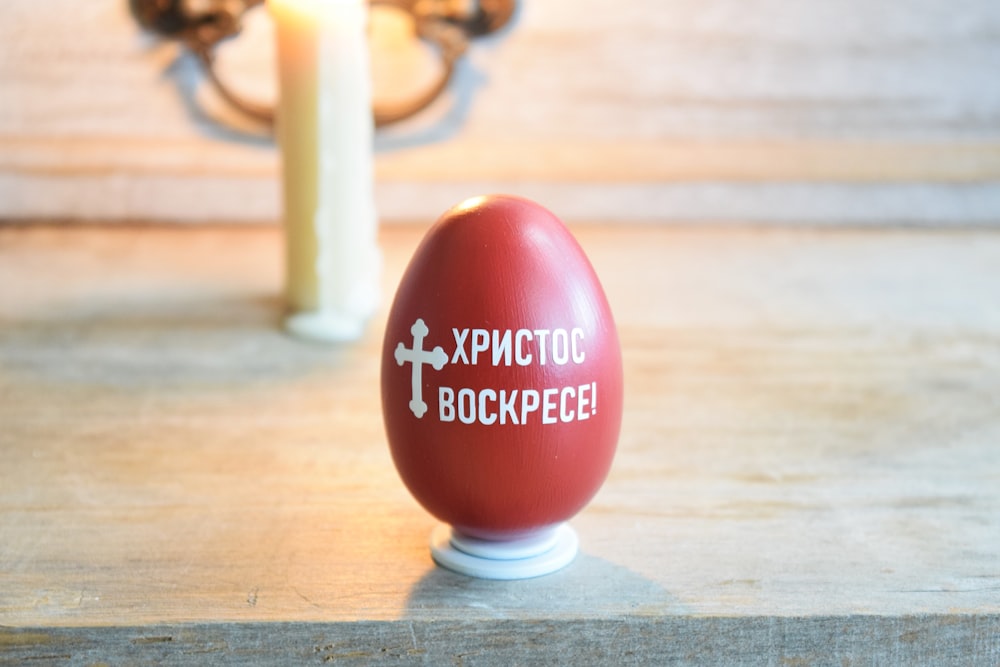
{"points": [[418, 356]]}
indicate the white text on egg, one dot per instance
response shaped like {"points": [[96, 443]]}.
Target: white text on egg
{"points": [[520, 346], [489, 406]]}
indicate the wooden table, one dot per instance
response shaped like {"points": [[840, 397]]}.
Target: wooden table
{"points": [[808, 472]]}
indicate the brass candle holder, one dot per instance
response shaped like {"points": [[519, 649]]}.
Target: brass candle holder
{"points": [[447, 25]]}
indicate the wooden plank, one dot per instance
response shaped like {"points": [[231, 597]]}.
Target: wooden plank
{"points": [[807, 472], [647, 162], [922, 640], [784, 181]]}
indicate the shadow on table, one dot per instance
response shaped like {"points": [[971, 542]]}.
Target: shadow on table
{"points": [[179, 339], [590, 588]]}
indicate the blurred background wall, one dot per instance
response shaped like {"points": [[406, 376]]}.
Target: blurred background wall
{"points": [[815, 111]]}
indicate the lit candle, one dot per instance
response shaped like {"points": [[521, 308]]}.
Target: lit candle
{"points": [[325, 130]]}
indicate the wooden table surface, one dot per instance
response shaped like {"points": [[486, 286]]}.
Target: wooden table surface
{"points": [[808, 471]]}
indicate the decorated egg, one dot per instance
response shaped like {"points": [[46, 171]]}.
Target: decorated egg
{"points": [[501, 384]]}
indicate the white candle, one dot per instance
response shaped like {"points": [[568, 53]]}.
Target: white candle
{"points": [[325, 130]]}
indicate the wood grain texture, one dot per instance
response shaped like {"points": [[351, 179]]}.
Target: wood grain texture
{"points": [[807, 474], [732, 110], [948, 640]]}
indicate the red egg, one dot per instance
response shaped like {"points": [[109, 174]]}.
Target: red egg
{"points": [[501, 371]]}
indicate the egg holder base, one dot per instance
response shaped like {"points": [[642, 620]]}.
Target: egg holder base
{"points": [[525, 558]]}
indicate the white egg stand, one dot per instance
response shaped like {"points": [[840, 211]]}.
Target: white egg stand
{"points": [[533, 556]]}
